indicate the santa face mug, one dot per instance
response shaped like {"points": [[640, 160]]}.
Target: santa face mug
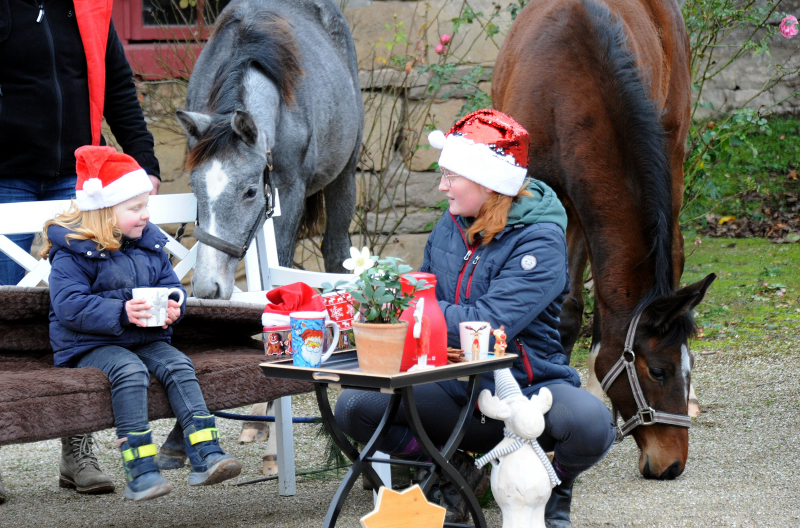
{"points": [[475, 339], [308, 337], [158, 299]]}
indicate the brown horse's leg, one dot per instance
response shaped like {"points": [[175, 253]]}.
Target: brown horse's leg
{"points": [[572, 309]]}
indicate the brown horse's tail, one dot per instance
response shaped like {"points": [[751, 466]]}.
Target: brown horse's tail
{"points": [[313, 216], [637, 123]]}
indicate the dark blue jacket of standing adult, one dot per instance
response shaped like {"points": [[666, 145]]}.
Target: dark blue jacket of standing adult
{"points": [[518, 280], [89, 288]]}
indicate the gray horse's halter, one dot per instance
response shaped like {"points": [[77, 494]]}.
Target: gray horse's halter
{"points": [[646, 415], [266, 212]]}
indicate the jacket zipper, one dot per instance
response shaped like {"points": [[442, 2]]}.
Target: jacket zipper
{"points": [[472, 273], [59, 101], [525, 361], [470, 250]]}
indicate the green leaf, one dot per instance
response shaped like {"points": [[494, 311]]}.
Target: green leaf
{"points": [[386, 298], [380, 289], [356, 294]]}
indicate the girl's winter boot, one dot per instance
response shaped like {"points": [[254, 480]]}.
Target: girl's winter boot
{"points": [[210, 464], [141, 472]]}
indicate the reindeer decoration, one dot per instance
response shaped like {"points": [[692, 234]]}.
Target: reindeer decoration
{"points": [[522, 476], [500, 344], [476, 340]]}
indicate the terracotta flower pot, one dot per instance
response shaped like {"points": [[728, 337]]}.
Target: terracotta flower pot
{"points": [[380, 346]]}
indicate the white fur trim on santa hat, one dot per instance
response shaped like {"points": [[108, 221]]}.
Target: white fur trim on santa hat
{"points": [[479, 163], [123, 188]]}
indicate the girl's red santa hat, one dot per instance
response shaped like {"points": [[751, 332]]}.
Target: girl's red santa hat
{"points": [[107, 178], [487, 147]]}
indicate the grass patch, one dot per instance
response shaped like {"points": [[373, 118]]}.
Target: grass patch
{"points": [[755, 298], [755, 176]]}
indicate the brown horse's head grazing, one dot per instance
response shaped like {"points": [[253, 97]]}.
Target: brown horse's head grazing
{"points": [[604, 92], [663, 364]]}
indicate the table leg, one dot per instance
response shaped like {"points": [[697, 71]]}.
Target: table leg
{"points": [[440, 460], [360, 462]]}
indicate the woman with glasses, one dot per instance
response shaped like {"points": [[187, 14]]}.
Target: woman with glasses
{"points": [[499, 255]]}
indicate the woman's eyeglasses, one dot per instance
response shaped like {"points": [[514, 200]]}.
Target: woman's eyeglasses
{"points": [[449, 176]]}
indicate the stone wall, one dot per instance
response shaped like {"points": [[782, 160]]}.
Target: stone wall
{"points": [[391, 96]]}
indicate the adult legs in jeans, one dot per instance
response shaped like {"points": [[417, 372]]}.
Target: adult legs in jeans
{"points": [[79, 466], [30, 189]]}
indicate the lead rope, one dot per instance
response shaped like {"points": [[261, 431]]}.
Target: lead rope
{"points": [[517, 444]]}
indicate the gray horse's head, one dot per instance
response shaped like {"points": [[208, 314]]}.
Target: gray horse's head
{"points": [[227, 158]]}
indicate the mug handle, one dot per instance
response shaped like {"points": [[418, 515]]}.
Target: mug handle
{"points": [[334, 341], [179, 292]]}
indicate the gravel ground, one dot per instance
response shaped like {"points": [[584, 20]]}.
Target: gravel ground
{"points": [[740, 470]]}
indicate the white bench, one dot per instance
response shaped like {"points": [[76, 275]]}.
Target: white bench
{"points": [[261, 266]]}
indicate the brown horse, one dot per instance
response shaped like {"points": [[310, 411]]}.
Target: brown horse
{"points": [[603, 89]]}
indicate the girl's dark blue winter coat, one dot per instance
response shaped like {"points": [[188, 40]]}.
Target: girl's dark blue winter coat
{"points": [[89, 288], [518, 280]]}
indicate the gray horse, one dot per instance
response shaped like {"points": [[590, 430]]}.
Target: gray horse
{"points": [[273, 98]]}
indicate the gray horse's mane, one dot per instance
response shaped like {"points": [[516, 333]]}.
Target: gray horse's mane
{"points": [[265, 41]]}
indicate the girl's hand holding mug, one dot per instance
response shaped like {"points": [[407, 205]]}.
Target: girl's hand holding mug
{"points": [[173, 312], [162, 311], [137, 311]]}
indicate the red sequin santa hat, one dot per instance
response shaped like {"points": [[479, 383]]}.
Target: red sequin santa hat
{"points": [[107, 178], [487, 147]]}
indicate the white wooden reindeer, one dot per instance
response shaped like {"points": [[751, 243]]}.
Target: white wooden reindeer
{"points": [[522, 477]]}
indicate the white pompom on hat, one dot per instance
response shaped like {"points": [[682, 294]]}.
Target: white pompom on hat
{"points": [[107, 178], [487, 147]]}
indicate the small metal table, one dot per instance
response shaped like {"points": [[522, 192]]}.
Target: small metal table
{"points": [[341, 371]]}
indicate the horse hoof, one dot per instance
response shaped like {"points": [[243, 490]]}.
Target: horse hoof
{"points": [[270, 466], [253, 433], [247, 436], [694, 408]]}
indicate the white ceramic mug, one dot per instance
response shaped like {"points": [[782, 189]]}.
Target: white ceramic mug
{"points": [[158, 299], [475, 339]]}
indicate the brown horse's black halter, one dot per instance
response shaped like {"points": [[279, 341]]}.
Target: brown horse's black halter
{"points": [[265, 214], [646, 415]]}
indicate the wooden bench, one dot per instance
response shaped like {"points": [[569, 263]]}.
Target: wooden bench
{"points": [[39, 401]]}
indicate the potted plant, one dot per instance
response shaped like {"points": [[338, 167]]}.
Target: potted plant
{"points": [[379, 301]]}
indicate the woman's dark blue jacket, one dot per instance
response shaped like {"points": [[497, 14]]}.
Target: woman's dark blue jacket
{"points": [[89, 288], [518, 280]]}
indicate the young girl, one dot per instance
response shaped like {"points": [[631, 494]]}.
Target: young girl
{"points": [[499, 255], [99, 251]]}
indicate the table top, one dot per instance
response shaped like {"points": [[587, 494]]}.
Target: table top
{"points": [[342, 369]]}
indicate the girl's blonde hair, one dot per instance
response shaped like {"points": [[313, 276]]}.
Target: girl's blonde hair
{"points": [[99, 225], [493, 216]]}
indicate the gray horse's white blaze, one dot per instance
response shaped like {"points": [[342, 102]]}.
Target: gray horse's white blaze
{"points": [[213, 263]]}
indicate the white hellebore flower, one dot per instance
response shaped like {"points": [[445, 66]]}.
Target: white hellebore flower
{"points": [[360, 261]]}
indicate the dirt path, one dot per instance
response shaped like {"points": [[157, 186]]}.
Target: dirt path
{"points": [[741, 469]]}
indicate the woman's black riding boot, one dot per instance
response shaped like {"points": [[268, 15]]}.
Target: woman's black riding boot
{"points": [[556, 513], [477, 479]]}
